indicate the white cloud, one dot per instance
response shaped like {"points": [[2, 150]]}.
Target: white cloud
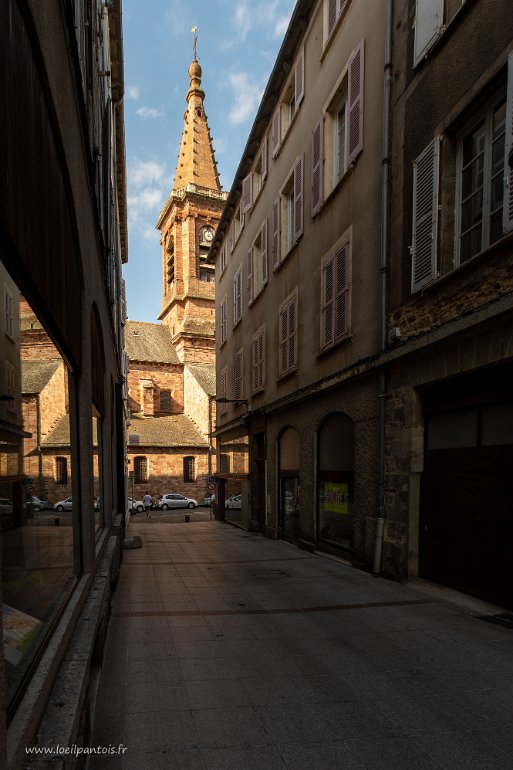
{"points": [[247, 97], [242, 20], [281, 25], [149, 112], [147, 192], [150, 233], [132, 92], [143, 172]]}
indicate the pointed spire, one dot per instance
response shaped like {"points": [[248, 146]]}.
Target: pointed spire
{"points": [[196, 162]]}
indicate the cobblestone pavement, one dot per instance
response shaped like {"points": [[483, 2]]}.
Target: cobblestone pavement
{"points": [[227, 650]]}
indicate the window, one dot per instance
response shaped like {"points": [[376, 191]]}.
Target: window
{"points": [[253, 183], [222, 257], [61, 470], [293, 95], [425, 216], [429, 17], [257, 264], [481, 152], [188, 469], [335, 296], [258, 363], [207, 274], [290, 210], [332, 12], [224, 463], [223, 387], [238, 386], [237, 297], [288, 335], [8, 313], [141, 470], [165, 401], [170, 262], [222, 321]]}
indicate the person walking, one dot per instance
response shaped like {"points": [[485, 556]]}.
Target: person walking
{"points": [[147, 504]]}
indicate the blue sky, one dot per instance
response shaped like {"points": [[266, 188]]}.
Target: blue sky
{"points": [[237, 46]]}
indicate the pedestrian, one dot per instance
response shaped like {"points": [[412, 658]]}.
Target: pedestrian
{"points": [[147, 504]]}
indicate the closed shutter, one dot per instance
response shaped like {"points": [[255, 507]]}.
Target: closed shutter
{"points": [[250, 276], [507, 211], [247, 193], [223, 320], [223, 257], [355, 99], [429, 18], [284, 336], [242, 218], [263, 253], [232, 234], [223, 389], [276, 130], [265, 149], [327, 302], [275, 234], [341, 291], [317, 166], [258, 361], [291, 361], [237, 375], [299, 77], [237, 298], [332, 15], [298, 198], [425, 216]]}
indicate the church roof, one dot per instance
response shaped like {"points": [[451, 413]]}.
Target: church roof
{"points": [[36, 374], [205, 375], [175, 430], [149, 342], [60, 435]]}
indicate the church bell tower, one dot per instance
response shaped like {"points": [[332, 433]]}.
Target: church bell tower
{"points": [[187, 223]]}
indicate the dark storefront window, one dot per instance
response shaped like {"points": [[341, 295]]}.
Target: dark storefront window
{"points": [[336, 481], [288, 514]]}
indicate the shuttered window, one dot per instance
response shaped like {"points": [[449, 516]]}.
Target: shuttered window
{"points": [[298, 197], [238, 389], [429, 16], [276, 131], [507, 217], [317, 166], [263, 254], [333, 11], [335, 296], [232, 235], [61, 470], [263, 158], [247, 193], [288, 335], [188, 469], [258, 363], [250, 276], [299, 77], [275, 234], [223, 258], [222, 322], [425, 216], [355, 106], [237, 297], [223, 388]]}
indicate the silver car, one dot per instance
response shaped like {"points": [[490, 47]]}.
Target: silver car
{"points": [[175, 500], [64, 505]]}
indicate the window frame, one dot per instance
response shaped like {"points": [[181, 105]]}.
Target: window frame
{"points": [[189, 469], [61, 470], [141, 469]]}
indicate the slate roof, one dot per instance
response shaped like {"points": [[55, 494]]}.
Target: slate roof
{"points": [[60, 435], [175, 430], [205, 375], [149, 342], [36, 374]]}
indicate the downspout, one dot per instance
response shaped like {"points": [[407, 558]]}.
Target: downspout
{"points": [[385, 227]]}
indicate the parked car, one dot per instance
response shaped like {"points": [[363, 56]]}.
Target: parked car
{"points": [[175, 500], [64, 505], [5, 505], [209, 500], [39, 503], [235, 501], [135, 505]]}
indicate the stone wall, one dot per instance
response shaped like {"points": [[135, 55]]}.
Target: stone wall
{"points": [[163, 377], [165, 472]]}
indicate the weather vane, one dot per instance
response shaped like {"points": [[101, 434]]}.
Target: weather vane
{"points": [[195, 30]]}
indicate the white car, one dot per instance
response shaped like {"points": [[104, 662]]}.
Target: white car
{"points": [[235, 501], [64, 505], [209, 500], [175, 500], [39, 503], [135, 505]]}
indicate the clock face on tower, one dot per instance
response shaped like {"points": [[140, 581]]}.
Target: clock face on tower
{"points": [[206, 235]]}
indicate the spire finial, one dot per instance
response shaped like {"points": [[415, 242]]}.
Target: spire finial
{"points": [[195, 31]]}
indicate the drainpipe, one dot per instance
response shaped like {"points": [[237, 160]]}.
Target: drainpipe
{"points": [[385, 226]]}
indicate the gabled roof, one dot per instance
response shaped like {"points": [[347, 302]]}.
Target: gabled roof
{"points": [[170, 431], [205, 375], [149, 342], [36, 374], [59, 436]]}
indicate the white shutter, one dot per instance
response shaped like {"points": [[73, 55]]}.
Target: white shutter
{"points": [[341, 291], [327, 302], [291, 361], [299, 77], [507, 211], [263, 163], [247, 193], [223, 320], [250, 276], [332, 15], [276, 130], [242, 218], [429, 18], [232, 234], [223, 257], [317, 166], [355, 99], [298, 197], [283, 332], [425, 216], [263, 253], [275, 234], [237, 297]]}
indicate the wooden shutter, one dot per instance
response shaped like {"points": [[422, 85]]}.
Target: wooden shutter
{"points": [[237, 292], [317, 166], [223, 257], [275, 234], [237, 375], [247, 193], [429, 18], [276, 130], [299, 77], [341, 291], [355, 104], [507, 211], [223, 320], [232, 234], [298, 197], [242, 218], [291, 360], [250, 275], [283, 332], [258, 361], [425, 216], [332, 15], [224, 389], [327, 302], [263, 253], [263, 162]]}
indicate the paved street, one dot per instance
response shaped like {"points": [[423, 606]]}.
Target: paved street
{"points": [[227, 651]]}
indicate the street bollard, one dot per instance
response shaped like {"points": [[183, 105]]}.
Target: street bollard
{"points": [[187, 517]]}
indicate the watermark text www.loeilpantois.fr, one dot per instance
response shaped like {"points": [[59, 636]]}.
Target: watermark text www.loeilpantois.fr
{"points": [[75, 750]]}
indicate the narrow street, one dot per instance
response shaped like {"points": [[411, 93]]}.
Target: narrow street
{"points": [[229, 650]]}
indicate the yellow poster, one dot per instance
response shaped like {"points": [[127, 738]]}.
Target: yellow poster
{"points": [[336, 497]]}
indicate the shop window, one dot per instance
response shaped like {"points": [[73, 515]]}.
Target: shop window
{"points": [[188, 469], [336, 481], [61, 470], [141, 470], [288, 511]]}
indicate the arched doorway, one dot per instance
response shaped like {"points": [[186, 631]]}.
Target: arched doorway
{"points": [[288, 469], [335, 481]]}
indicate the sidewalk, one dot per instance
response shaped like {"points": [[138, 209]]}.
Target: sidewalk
{"points": [[227, 650]]}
